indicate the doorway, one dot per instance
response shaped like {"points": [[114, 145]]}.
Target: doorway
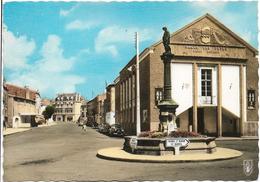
{"points": [[201, 124]]}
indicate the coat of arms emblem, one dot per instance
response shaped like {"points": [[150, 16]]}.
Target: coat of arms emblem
{"points": [[248, 167], [205, 35]]}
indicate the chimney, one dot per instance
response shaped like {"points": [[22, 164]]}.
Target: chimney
{"points": [[27, 92]]}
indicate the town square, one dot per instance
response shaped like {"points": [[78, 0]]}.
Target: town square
{"points": [[130, 91]]}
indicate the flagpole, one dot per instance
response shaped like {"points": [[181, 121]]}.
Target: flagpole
{"points": [[138, 124]]}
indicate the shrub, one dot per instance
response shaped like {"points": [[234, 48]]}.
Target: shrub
{"points": [[158, 135], [175, 134], [145, 134], [184, 134]]}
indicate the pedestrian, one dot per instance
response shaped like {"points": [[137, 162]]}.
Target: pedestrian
{"points": [[84, 127]]}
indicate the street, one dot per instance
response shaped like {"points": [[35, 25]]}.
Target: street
{"points": [[66, 152]]}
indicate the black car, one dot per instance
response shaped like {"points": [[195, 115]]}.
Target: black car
{"points": [[104, 128], [116, 130], [92, 124]]}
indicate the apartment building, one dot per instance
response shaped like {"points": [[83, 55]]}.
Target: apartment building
{"points": [[67, 107]]}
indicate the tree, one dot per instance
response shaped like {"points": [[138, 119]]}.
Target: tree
{"points": [[49, 110]]}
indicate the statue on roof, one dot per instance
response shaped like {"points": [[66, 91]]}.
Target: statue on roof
{"points": [[166, 40]]}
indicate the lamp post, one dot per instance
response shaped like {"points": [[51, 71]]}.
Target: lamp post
{"points": [[138, 124]]}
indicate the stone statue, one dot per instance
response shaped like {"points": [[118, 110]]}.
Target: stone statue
{"points": [[166, 40]]}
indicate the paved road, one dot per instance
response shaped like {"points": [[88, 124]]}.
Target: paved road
{"points": [[66, 152]]}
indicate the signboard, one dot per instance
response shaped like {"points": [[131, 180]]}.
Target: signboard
{"points": [[133, 142], [209, 51], [177, 142]]}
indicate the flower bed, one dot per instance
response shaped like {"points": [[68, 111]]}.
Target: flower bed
{"points": [[175, 134]]}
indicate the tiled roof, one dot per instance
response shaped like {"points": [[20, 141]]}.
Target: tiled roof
{"points": [[20, 91]]}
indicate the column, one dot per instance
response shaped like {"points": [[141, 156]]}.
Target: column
{"points": [[195, 98], [167, 79], [219, 107], [242, 100]]}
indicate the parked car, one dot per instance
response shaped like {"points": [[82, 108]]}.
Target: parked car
{"points": [[92, 124], [116, 130], [104, 128]]}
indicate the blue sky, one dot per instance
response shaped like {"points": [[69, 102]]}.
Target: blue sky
{"points": [[59, 47]]}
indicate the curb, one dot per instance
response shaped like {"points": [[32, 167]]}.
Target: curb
{"points": [[111, 156], [161, 161], [41, 126], [237, 139], [16, 132]]}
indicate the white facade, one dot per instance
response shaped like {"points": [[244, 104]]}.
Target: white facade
{"points": [[182, 78], [67, 107], [182, 87], [110, 118], [231, 89]]}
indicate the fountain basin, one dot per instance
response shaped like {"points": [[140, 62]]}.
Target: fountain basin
{"points": [[157, 146]]}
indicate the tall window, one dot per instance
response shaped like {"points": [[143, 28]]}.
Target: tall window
{"points": [[158, 95], [206, 85], [251, 99]]}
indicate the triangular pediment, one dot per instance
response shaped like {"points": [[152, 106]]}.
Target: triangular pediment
{"points": [[206, 31]]}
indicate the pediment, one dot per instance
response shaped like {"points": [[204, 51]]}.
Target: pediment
{"points": [[206, 31]]}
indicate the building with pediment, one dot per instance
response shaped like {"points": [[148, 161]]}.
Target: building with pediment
{"points": [[214, 75]]}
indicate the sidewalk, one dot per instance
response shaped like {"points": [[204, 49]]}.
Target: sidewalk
{"points": [[10, 131], [237, 138]]}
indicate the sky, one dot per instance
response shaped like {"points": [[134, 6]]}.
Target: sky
{"points": [[64, 47]]}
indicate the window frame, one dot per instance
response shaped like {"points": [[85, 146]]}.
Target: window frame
{"points": [[251, 99], [160, 91]]}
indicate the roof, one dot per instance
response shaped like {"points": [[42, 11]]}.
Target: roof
{"points": [[45, 102], [222, 26], [146, 51], [20, 92]]}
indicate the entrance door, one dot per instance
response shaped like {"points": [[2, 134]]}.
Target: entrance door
{"points": [[201, 120]]}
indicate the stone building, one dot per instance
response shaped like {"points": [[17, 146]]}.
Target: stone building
{"points": [[214, 76], [44, 103], [109, 104], [5, 104], [95, 109], [67, 107], [23, 106], [84, 110]]}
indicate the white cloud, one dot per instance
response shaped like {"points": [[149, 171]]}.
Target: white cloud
{"points": [[52, 73], [53, 59], [208, 6], [16, 50], [109, 37], [69, 11], [80, 25]]}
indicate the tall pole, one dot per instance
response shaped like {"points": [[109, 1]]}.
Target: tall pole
{"points": [[138, 124]]}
